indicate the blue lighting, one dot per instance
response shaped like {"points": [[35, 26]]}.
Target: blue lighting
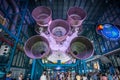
{"points": [[110, 32], [58, 68], [1, 74]]}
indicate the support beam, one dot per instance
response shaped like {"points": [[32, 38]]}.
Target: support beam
{"points": [[18, 35], [33, 69]]}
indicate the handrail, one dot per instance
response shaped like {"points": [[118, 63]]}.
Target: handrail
{"points": [[58, 64]]}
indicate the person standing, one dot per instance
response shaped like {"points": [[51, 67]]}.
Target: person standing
{"points": [[8, 75], [43, 77], [84, 77], [110, 77], [104, 77], [77, 77], [20, 77]]}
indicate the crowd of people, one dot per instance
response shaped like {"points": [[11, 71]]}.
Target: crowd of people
{"points": [[8, 75], [76, 76], [57, 75]]}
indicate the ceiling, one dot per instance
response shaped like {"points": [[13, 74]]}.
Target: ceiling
{"points": [[93, 8]]}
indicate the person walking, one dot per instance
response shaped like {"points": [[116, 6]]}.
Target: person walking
{"points": [[43, 77]]}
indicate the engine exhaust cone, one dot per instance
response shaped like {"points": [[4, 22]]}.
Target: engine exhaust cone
{"points": [[37, 47], [42, 15], [76, 16], [59, 29], [81, 48]]}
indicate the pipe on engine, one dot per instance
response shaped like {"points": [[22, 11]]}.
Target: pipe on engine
{"points": [[6, 41], [13, 4], [59, 29], [10, 43], [37, 47], [76, 16], [81, 48]]}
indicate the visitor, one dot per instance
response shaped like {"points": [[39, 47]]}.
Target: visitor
{"points": [[84, 77], [88, 76], [77, 77], [68, 76], [94, 77], [104, 77], [43, 77], [110, 77], [20, 77], [115, 77], [8, 75], [61, 76]]}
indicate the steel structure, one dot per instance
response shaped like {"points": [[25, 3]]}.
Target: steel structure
{"points": [[98, 11]]}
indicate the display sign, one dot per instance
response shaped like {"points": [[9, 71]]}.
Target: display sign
{"points": [[109, 31]]}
